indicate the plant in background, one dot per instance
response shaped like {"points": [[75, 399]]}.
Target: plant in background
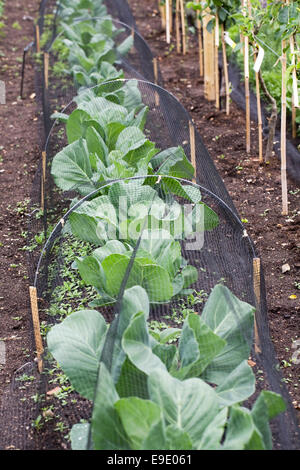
{"points": [[250, 26], [284, 22], [93, 51], [70, 10], [223, 8], [2, 24], [266, 26]]}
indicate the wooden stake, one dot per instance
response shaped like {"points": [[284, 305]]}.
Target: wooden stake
{"points": [[283, 132], [200, 45], [193, 149], [256, 288], [133, 37], [247, 87], [43, 180], [225, 69], [177, 25], [294, 76], [171, 15], [259, 118], [209, 63], [285, 209], [168, 33], [162, 15], [217, 92], [247, 97], [294, 115], [46, 69], [155, 71], [37, 38], [183, 27], [36, 327]]}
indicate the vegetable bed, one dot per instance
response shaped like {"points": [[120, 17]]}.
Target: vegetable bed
{"points": [[135, 335]]}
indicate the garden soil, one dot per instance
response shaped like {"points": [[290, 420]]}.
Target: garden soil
{"points": [[20, 141]]}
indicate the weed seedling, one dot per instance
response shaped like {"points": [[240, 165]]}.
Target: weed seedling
{"points": [[37, 423]]}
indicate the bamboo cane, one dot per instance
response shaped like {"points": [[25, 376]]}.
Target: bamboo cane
{"points": [[193, 149], [258, 104], [162, 14], [168, 33], [46, 69], [294, 76], [247, 96], [155, 71], [36, 327], [259, 118], [200, 45], [294, 115], [283, 132], [256, 288], [209, 63], [183, 27], [171, 15], [225, 68], [247, 87], [217, 43], [298, 64], [177, 25], [133, 38], [37, 38], [43, 180]]}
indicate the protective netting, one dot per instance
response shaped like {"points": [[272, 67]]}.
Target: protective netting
{"points": [[125, 55], [147, 274], [51, 11], [204, 251]]}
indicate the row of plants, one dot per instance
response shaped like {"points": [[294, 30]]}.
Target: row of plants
{"points": [[266, 27], [107, 140], [148, 394], [89, 50], [168, 389], [269, 29], [258, 29]]}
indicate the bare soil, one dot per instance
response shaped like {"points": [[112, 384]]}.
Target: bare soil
{"points": [[20, 151]]}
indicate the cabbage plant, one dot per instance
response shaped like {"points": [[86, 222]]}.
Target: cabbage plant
{"points": [[148, 394], [92, 51], [106, 141], [130, 214]]}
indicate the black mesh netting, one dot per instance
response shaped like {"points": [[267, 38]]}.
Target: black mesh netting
{"points": [[147, 280], [136, 62]]}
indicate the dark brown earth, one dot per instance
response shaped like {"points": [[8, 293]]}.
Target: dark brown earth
{"points": [[255, 190], [19, 150]]}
